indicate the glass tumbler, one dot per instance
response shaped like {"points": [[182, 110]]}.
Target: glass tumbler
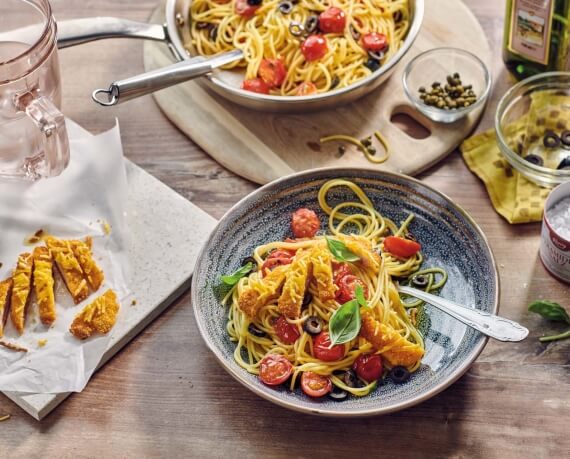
{"points": [[33, 138]]}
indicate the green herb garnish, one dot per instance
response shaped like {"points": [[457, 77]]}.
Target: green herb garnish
{"points": [[344, 324], [359, 295], [340, 251], [551, 311], [233, 278]]}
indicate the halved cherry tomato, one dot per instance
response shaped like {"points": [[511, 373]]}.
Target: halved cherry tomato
{"points": [[244, 9], [314, 47], [346, 287], [340, 270], [314, 384], [332, 20], [306, 88], [282, 253], [277, 258], [368, 367], [274, 369], [305, 223], [255, 85], [400, 247], [322, 349], [374, 41], [273, 72], [286, 332]]}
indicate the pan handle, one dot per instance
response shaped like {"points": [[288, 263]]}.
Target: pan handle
{"points": [[146, 83], [76, 31]]}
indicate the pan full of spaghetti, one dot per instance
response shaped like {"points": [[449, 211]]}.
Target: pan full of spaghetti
{"points": [[296, 291], [298, 55]]}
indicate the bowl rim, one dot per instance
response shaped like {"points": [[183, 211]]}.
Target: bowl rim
{"points": [[240, 376], [415, 27], [457, 113], [516, 160]]}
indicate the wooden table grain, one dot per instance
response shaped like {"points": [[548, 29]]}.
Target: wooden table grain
{"points": [[166, 396]]}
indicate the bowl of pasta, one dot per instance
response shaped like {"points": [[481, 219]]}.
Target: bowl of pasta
{"points": [[296, 291]]}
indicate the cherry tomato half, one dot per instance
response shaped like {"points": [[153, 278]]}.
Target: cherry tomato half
{"points": [[368, 367], [255, 85], [276, 258], [340, 270], [286, 332], [400, 247], [374, 41], [321, 351], [314, 384], [346, 287], [274, 369], [244, 9], [273, 72], [314, 47], [305, 223], [306, 88], [332, 20]]}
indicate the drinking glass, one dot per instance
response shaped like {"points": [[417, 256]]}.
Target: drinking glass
{"points": [[33, 138]]}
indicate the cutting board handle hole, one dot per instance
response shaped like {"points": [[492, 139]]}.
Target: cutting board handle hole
{"points": [[409, 124]]}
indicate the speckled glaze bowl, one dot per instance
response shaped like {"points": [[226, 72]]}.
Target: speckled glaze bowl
{"points": [[449, 238]]}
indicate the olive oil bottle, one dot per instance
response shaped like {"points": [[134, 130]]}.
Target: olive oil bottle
{"points": [[536, 37]]}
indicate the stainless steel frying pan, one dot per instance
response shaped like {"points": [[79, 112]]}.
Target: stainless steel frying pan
{"points": [[176, 32]]}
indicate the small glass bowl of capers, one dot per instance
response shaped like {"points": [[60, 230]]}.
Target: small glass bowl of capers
{"points": [[446, 84]]}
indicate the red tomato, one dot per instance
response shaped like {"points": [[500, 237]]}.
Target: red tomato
{"points": [[322, 348], [368, 367], [314, 47], [305, 223], [274, 369], [332, 20], [281, 253], [255, 85], [314, 384], [271, 263], [273, 72], [400, 247], [374, 41], [244, 9], [346, 287], [340, 270], [286, 332], [306, 88]]}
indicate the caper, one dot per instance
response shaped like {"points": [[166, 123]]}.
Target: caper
{"points": [[456, 75], [453, 104], [341, 150], [435, 84], [459, 89], [468, 86], [371, 150], [460, 100], [440, 104], [422, 89], [366, 142]]}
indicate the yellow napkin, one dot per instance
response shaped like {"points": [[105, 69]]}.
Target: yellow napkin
{"points": [[514, 197]]}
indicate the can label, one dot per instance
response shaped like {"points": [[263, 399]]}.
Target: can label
{"points": [[555, 252], [531, 27]]}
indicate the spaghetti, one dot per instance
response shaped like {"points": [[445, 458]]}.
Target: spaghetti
{"points": [[299, 279], [310, 46]]}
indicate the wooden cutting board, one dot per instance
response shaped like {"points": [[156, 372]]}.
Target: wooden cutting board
{"points": [[264, 146]]}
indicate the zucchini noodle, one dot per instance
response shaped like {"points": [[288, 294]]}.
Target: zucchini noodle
{"points": [[215, 28], [363, 230]]}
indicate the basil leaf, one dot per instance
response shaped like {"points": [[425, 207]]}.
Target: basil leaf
{"points": [[359, 294], [345, 323], [550, 310], [233, 278], [340, 251]]}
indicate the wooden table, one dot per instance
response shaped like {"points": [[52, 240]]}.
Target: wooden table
{"points": [[165, 395]]}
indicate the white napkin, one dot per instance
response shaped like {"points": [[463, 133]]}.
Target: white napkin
{"points": [[90, 192]]}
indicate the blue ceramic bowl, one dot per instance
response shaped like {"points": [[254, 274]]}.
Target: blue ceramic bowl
{"points": [[449, 238]]}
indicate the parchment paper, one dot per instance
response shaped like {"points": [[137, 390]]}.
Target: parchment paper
{"points": [[91, 191]]}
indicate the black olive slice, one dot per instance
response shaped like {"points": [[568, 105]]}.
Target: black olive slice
{"points": [[313, 325], [247, 260], [564, 164], [355, 33], [202, 25], [372, 64], [420, 281], [253, 330], [307, 300], [285, 6], [213, 35], [565, 138], [254, 2], [534, 159], [550, 140], [376, 55], [349, 378], [337, 394], [399, 374], [312, 23]]}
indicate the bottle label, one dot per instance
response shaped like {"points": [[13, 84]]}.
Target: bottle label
{"points": [[531, 26]]}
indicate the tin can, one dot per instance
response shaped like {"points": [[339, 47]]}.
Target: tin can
{"points": [[555, 249]]}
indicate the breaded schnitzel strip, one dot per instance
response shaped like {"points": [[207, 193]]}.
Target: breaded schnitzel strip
{"points": [[321, 260], [5, 292], [296, 281], [363, 248], [69, 268], [396, 349], [98, 316], [82, 251], [261, 290], [22, 278], [43, 284]]}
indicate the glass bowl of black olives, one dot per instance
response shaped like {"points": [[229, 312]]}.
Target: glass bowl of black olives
{"points": [[532, 124], [446, 84]]}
